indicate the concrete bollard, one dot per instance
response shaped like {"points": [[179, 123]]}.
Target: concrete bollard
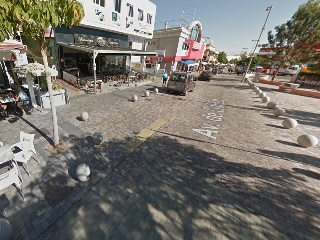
{"points": [[262, 95], [289, 123], [278, 111], [147, 93], [97, 138], [156, 90], [265, 99], [84, 116], [271, 105], [83, 172], [135, 98], [307, 140]]}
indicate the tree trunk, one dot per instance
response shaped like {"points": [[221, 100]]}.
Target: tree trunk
{"points": [[275, 73], [52, 103]]}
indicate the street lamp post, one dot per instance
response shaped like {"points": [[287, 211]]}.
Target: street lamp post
{"points": [[264, 25]]}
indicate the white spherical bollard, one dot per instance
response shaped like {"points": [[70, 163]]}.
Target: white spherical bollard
{"points": [[135, 98], [307, 140], [252, 86], [156, 90], [84, 116], [278, 112], [265, 99], [261, 95], [289, 123], [147, 93], [271, 105], [258, 92], [5, 229], [83, 172], [97, 138]]}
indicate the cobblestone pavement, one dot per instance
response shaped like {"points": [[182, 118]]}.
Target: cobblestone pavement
{"points": [[215, 164]]}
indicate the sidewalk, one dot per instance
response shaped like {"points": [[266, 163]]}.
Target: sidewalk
{"points": [[155, 178]]}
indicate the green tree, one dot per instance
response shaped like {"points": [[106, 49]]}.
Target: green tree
{"points": [[222, 58], [294, 40], [234, 61], [34, 17]]}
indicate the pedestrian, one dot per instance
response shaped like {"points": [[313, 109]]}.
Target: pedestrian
{"points": [[19, 95], [164, 79]]}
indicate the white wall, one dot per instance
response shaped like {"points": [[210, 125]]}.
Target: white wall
{"points": [[101, 17]]}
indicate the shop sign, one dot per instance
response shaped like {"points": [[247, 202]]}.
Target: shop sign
{"points": [[113, 42], [101, 41], [84, 39]]}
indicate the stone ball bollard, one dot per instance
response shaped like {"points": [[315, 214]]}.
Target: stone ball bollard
{"points": [[307, 140], [289, 123], [278, 112], [147, 93], [258, 92], [5, 229], [271, 105], [135, 98], [252, 86], [156, 90], [83, 172], [84, 116], [97, 138], [261, 95], [265, 99]]}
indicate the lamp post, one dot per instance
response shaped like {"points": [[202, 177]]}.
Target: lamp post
{"points": [[257, 42], [251, 52]]}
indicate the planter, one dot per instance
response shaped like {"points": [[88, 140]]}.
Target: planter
{"points": [[59, 98]]}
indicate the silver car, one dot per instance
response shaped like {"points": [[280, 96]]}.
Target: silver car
{"points": [[181, 82]]}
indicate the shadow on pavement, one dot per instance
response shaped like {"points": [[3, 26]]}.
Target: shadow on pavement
{"points": [[166, 190], [303, 117]]}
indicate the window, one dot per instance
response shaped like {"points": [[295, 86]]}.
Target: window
{"points": [[130, 10], [151, 43], [99, 2], [149, 18], [117, 5], [140, 17], [185, 46]]}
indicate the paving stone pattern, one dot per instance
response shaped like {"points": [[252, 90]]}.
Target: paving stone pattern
{"points": [[252, 182]]}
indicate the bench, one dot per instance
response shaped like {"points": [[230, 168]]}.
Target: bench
{"points": [[286, 87]]}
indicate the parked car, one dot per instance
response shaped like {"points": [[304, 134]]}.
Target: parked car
{"points": [[242, 70], [181, 82], [205, 75]]}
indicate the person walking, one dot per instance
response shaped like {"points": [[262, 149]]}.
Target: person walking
{"points": [[164, 79]]}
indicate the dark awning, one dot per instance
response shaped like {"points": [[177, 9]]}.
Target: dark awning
{"points": [[108, 50]]}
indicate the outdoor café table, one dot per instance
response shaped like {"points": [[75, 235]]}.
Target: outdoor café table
{"points": [[8, 101]]}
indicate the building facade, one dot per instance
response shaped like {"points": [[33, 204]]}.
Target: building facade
{"points": [[110, 36], [183, 47]]}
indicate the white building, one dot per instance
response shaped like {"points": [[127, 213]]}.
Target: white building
{"points": [[110, 33], [183, 46]]}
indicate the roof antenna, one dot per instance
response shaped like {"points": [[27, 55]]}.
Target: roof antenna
{"points": [[194, 13], [181, 17]]}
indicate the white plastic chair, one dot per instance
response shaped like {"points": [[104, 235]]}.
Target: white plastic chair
{"points": [[26, 149], [12, 176]]}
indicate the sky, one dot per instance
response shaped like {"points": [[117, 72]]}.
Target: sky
{"points": [[231, 24]]}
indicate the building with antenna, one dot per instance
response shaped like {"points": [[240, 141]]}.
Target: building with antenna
{"points": [[182, 43]]}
